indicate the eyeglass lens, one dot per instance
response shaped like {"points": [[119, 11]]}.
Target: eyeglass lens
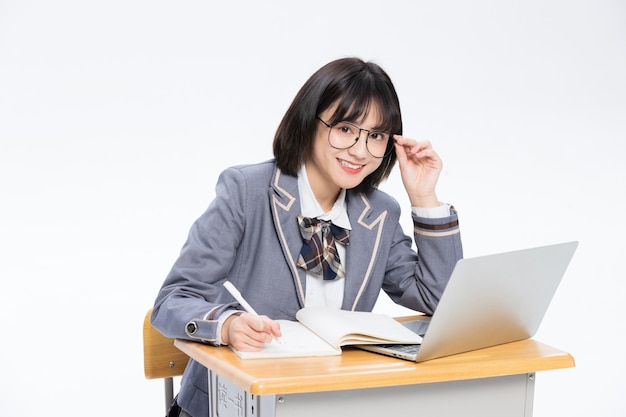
{"points": [[344, 135]]}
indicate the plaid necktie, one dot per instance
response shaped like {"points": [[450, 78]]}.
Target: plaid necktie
{"points": [[319, 253]]}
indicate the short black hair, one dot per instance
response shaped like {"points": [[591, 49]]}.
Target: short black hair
{"points": [[354, 86]]}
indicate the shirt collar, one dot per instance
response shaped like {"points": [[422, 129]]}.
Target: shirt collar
{"points": [[338, 214]]}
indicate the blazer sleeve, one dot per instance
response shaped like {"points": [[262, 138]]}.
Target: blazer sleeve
{"points": [[439, 248], [192, 298]]}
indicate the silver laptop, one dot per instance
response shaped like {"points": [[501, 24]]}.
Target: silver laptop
{"points": [[489, 300]]}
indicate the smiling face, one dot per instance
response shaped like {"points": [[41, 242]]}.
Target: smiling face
{"points": [[329, 169], [348, 90]]}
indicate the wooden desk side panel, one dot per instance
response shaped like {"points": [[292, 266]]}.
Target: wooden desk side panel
{"points": [[359, 369]]}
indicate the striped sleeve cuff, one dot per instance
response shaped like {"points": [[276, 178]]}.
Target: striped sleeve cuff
{"points": [[437, 227]]}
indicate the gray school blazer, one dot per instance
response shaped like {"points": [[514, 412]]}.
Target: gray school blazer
{"points": [[249, 235]]}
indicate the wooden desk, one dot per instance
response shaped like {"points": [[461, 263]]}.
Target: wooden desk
{"points": [[496, 381]]}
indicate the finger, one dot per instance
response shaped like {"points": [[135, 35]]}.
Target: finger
{"points": [[415, 154], [400, 152], [242, 336], [247, 345], [245, 338], [419, 147], [404, 141], [262, 328], [275, 329], [412, 146], [270, 326]]}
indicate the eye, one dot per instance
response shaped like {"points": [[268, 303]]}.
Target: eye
{"points": [[379, 136], [346, 129]]}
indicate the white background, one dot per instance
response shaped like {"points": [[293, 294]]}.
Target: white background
{"points": [[117, 116]]}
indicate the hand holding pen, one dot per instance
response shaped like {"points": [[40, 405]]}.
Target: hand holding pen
{"points": [[248, 331]]}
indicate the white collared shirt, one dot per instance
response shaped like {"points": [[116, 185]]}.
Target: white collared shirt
{"points": [[320, 292]]}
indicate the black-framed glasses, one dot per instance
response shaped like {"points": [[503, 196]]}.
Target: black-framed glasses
{"points": [[344, 135]]}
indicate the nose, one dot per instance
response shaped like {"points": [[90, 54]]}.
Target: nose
{"points": [[360, 146]]}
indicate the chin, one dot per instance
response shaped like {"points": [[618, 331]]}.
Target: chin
{"points": [[349, 184], [348, 180]]}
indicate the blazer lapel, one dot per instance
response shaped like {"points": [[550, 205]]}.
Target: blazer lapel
{"points": [[285, 207], [365, 237]]}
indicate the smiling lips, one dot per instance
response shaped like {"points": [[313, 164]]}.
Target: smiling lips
{"points": [[350, 166]]}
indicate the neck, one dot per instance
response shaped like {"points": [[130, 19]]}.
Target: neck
{"points": [[325, 198], [326, 194]]}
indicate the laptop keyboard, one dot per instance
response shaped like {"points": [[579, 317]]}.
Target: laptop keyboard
{"points": [[417, 326], [408, 349]]}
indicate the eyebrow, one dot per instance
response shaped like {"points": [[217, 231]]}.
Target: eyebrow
{"points": [[376, 128]]}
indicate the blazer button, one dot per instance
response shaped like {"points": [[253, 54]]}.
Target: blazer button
{"points": [[192, 327]]}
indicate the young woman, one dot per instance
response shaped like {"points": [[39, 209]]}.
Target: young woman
{"points": [[310, 227]]}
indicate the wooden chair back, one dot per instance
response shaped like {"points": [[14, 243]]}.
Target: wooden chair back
{"points": [[161, 359]]}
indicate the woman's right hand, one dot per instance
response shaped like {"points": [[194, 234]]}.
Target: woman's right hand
{"points": [[248, 333]]}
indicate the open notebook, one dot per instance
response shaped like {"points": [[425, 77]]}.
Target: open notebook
{"points": [[322, 331], [489, 300]]}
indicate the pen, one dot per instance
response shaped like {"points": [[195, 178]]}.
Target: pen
{"points": [[235, 293]]}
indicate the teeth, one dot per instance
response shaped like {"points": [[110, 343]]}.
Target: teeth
{"points": [[346, 164]]}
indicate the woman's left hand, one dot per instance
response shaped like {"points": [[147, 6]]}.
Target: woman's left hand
{"points": [[420, 167]]}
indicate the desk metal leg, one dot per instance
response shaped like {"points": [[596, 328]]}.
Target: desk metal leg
{"points": [[510, 395]]}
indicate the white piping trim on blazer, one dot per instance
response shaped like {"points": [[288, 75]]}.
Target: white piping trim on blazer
{"points": [[278, 204], [379, 221]]}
